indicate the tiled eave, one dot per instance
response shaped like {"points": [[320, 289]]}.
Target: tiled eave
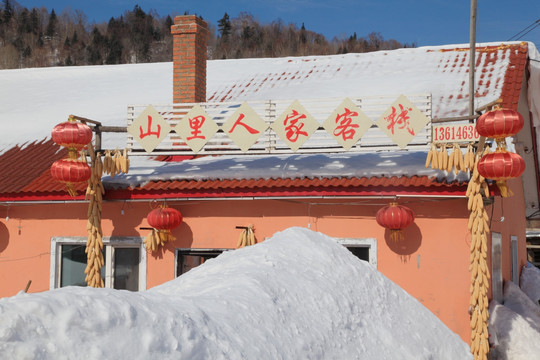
{"points": [[266, 188]]}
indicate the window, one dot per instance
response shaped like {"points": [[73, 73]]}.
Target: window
{"points": [[125, 262], [533, 247], [187, 259], [364, 249]]}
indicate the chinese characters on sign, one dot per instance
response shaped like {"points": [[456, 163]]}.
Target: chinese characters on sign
{"points": [[295, 125], [347, 124], [401, 122], [399, 119], [149, 129], [196, 128], [244, 127]]}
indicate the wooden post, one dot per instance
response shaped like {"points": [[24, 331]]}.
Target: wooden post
{"points": [[472, 56]]}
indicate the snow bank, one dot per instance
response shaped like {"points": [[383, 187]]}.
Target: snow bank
{"points": [[530, 282], [299, 295], [515, 326]]}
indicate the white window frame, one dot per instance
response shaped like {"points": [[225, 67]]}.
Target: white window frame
{"points": [[370, 243], [109, 243]]}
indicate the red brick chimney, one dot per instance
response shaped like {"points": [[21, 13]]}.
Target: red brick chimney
{"points": [[190, 34]]}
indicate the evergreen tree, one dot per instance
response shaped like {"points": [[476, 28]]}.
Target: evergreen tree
{"points": [[168, 22], [224, 26], [114, 51], [8, 11], [51, 26], [303, 37], [34, 21]]}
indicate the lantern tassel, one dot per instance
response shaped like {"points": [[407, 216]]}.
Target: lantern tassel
{"points": [[71, 189], [503, 188], [396, 235]]}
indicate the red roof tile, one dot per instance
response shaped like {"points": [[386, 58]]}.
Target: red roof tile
{"points": [[291, 187], [26, 170]]}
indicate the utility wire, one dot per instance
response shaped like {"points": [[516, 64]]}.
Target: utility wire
{"points": [[525, 31]]}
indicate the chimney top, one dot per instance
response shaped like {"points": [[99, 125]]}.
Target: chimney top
{"points": [[190, 35]]}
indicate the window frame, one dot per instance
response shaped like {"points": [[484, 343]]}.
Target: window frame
{"points": [[370, 243], [109, 243], [177, 251]]}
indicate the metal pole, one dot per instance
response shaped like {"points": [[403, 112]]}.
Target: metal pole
{"points": [[472, 56]]}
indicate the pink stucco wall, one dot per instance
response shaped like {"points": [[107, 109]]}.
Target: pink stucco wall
{"points": [[431, 263]]}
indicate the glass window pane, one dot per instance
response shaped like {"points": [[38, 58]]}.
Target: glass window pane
{"points": [[72, 265], [361, 252], [188, 260], [126, 268]]}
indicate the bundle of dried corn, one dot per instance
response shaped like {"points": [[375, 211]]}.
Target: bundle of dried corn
{"points": [[443, 160], [157, 238], [94, 245], [479, 227], [247, 237], [115, 162]]}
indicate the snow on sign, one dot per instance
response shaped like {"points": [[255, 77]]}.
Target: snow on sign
{"points": [[402, 121], [149, 129], [347, 124], [295, 125]]}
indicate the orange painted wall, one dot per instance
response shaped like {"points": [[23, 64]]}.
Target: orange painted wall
{"points": [[431, 263]]}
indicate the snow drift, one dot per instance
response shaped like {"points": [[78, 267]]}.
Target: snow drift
{"points": [[298, 295], [515, 326]]}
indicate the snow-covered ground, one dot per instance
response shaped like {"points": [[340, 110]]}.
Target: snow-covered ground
{"points": [[298, 295], [514, 327]]}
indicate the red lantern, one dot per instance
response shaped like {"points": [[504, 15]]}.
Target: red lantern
{"points": [[395, 218], [70, 172], [163, 219], [499, 123], [72, 135], [500, 166]]}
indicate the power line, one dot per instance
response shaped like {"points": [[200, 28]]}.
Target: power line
{"points": [[525, 31]]}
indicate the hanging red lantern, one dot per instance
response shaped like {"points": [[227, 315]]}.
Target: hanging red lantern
{"points": [[395, 217], [499, 123], [500, 166], [70, 172], [73, 135], [163, 219]]}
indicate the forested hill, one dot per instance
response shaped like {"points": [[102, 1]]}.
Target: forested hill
{"points": [[38, 38]]}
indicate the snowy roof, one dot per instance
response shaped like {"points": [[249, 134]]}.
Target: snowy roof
{"points": [[341, 165], [259, 295], [32, 101]]}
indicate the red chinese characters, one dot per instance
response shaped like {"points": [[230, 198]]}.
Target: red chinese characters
{"points": [[149, 129], [293, 125], [345, 126], [246, 126], [195, 124], [399, 119]]}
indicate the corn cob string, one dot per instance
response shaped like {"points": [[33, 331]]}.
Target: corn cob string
{"points": [[94, 244], [478, 225]]}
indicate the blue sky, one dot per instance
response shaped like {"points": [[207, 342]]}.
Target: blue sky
{"points": [[424, 22]]}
